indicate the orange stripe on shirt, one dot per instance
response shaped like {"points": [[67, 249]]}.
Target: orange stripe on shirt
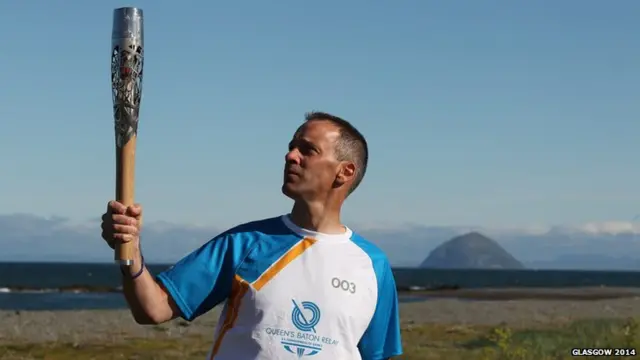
{"points": [[238, 290], [287, 258]]}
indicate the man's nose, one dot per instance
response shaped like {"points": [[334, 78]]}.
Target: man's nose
{"points": [[293, 156]]}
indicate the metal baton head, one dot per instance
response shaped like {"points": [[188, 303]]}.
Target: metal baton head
{"points": [[127, 62]]}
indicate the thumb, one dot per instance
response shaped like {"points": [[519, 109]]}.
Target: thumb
{"points": [[135, 210]]}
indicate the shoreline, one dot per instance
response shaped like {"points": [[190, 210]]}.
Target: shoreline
{"points": [[541, 293], [446, 292]]}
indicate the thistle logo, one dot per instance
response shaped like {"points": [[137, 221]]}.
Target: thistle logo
{"points": [[299, 318], [304, 317], [303, 339]]}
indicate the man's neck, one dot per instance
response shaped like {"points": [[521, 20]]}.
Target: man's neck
{"points": [[317, 217]]}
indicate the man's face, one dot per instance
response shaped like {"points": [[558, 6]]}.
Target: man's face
{"points": [[311, 166]]}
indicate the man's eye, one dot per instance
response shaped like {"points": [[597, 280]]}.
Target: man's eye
{"points": [[306, 149]]}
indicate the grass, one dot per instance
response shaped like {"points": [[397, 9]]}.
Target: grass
{"points": [[422, 342]]}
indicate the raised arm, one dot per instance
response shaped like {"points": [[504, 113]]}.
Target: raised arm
{"points": [[191, 287], [148, 300]]}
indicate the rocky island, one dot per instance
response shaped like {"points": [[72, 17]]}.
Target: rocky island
{"points": [[471, 251]]}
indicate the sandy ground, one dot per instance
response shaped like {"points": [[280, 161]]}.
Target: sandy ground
{"points": [[81, 326]]}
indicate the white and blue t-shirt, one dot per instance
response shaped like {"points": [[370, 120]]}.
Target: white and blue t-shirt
{"points": [[290, 293]]}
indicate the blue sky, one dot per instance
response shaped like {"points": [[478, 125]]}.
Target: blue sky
{"points": [[492, 113]]}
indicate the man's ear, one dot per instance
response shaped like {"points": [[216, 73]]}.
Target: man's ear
{"points": [[346, 173]]}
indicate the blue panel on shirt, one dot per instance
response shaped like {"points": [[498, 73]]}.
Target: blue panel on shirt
{"points": [[382, 338], [269, 248], [202, 279]]}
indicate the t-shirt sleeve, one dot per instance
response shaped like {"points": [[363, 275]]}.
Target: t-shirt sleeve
{"points": [[382, 339], [202, 279]]}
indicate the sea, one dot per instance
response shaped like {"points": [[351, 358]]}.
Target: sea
{"points": [[38, 286]]}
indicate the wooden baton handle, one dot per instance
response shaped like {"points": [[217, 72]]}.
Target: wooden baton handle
{"points": [[125, 181]]}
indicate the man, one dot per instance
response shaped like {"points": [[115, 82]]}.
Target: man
{"points": [[293, 286]]}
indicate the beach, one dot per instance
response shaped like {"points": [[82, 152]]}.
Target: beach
{"points": [[84, 328], [112, 325]]}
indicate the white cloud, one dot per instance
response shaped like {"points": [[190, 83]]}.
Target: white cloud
{"points": [[590, 228], [610, 227]]}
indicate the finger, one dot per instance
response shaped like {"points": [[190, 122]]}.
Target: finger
{"points": [[124, 220], [125, 238], [125, 229], [134, 210], [117, 207]]}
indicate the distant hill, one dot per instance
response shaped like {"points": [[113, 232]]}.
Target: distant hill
{"points": [[29, 237], [471, 251]]}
